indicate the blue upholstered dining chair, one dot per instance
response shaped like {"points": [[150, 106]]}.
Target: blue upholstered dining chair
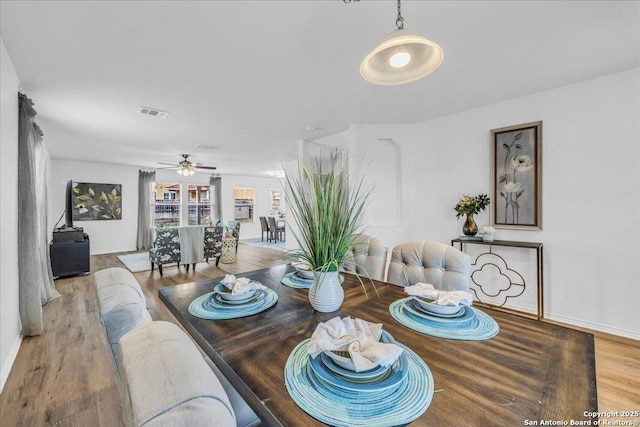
{"points": [[213, 243], [166, 248]]}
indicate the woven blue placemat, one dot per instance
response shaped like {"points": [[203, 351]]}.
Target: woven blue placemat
{"points": [[201, 309], [292, 281], [480, 327], [339, 407]]}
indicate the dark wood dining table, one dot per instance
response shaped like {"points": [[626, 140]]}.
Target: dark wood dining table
{"points": [[530, 371]]}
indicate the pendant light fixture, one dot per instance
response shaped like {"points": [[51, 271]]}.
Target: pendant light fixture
{"points": [[401, 57]]}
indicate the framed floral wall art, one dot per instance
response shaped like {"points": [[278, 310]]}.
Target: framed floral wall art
{"points": [[516, 175], [93, 202]]}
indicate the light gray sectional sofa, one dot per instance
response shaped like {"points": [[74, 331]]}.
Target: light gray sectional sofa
{"points": [[163, 379]]}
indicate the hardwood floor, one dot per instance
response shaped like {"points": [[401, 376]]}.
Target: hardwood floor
{"points": [[66, 376]]}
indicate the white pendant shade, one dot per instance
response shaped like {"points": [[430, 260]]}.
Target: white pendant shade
{"points": [[387, 63]]}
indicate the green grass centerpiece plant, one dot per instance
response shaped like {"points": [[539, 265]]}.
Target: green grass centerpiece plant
{"points": [[327, 209]]}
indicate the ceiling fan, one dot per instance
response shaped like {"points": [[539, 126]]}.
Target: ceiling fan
{"points": [[186, 168]]}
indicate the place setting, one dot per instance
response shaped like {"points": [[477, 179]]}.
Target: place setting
{"points": [[444, 314], [302, 278], [357, 369], [233, 298]]}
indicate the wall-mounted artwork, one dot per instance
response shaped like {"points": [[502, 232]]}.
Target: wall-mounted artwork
{"points": [[516, 175], [93, 202]]}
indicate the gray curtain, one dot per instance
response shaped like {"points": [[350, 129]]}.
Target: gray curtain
{"points": [[145, 230], [36, 286], [216, 182]]}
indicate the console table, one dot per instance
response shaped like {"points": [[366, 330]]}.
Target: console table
{"points": [[512, 244]]}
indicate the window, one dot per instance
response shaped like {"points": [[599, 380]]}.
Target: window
{"points": [[243, 202], [166, 210], [199, 204]]}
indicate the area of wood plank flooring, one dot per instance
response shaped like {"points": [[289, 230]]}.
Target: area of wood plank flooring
{"points": [[66, 376]]}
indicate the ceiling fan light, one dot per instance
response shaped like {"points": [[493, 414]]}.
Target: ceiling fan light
{"points": [[425, 57], [186, 171]]}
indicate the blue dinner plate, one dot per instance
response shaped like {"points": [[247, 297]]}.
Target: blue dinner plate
{"points": [[216, 302], [425, 310], [385, 337], [352, 375], [227, 294], [412, 307], [396, 373], [296, 277]]}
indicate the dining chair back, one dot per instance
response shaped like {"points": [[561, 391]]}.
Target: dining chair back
{"points": [[443, 266], [213, 243], [166, 248], [277, 232], [265, 228], [369, 257], [235, 232]]}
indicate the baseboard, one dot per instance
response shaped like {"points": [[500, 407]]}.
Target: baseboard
{"points": [[634, 335], [8, 364]]}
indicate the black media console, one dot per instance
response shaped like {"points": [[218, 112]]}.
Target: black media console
{"points": [[69, 258]]}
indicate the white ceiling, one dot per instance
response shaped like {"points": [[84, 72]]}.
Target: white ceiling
{"points": [[249, 76]]}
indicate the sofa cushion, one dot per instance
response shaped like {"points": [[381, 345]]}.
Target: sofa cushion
{"points": [[121, 302], [245, 417], [121, 312], [117, 276], [165, 380]]}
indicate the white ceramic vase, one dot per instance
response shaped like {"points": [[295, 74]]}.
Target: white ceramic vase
{"points": [[326, 293]]}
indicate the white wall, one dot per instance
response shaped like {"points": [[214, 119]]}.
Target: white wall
{"points": [[104, 236], [591, 191], [9, 315]]}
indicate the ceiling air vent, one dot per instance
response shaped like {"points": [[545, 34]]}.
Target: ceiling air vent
{"points": [[153, 112], [205, 147]]}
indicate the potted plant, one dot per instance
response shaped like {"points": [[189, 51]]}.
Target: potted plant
{"points": [[327, 208], [470, 206]]}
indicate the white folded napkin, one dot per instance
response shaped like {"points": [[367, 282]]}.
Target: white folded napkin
{"points": [[427, 290], [240, 285], [358, 337]]}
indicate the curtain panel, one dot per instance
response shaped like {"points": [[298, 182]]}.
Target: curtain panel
{"points": [[216, 182], [145, 230], [36, 286]]}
